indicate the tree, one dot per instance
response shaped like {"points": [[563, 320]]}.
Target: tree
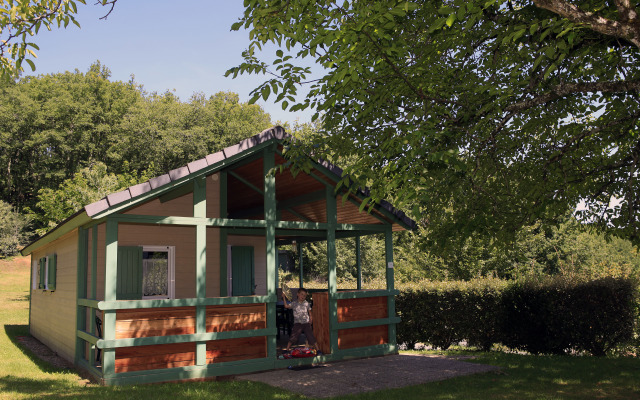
{"points": [[480, 116], [12, 230], [87, 185], [53, 125], [21, 20]]}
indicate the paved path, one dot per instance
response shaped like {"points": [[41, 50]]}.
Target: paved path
{"points": [[365, 375]]}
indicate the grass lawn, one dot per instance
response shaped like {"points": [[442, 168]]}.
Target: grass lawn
{"points": [[521, 377]]}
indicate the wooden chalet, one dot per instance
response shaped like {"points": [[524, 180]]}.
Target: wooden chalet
{"points": [[176, 278]]}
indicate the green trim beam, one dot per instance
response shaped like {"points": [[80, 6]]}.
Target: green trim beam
{"points": [[270, 215], [81, 291], [191, 302], [200, 211], [196, 337], [332, 220], [391, 301]]}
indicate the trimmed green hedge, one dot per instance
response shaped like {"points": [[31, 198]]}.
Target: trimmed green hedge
{"points": [[550, 315]]}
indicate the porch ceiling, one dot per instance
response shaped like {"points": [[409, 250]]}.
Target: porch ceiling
{"points": [[300, 198]]}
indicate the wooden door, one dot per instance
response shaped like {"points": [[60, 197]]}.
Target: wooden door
{"points": [[242, 271]]}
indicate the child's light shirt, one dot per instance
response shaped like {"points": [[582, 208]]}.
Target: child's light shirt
{"points": [[300, 312]]}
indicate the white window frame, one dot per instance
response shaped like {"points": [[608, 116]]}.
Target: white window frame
{"points": [[171, 250], [35, 277], [36, 273]]}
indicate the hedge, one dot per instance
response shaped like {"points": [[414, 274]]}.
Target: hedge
{"points": [[546, 315]]}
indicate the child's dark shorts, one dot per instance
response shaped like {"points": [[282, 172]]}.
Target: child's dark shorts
{"points": [[302, 328]]}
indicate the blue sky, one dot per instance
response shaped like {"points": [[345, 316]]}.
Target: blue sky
{"points": [[184, 46]]}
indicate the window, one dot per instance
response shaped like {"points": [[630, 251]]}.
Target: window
{"points": [[46, 270], [158, 280], [145, 272]]}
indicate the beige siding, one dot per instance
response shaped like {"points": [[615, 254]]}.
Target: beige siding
{"points": [[259, 244], [53, 314]]}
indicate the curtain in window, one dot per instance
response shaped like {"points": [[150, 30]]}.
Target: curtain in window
{"points": [[155, 273]]}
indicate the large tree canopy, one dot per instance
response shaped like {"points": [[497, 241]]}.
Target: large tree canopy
{"points": [[20, 21], [482, 116]]}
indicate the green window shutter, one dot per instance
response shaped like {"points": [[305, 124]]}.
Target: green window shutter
{"points": [[129, 283], [52, 271], [43, 269]]}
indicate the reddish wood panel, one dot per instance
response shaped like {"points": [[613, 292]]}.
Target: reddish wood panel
{"points": [[361, 337], [236, 317], [236, 349], [362, 309], [140, 358], [146, 322], [320, 313]]}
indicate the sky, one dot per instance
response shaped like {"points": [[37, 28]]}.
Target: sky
{"points": [[183, 46]]}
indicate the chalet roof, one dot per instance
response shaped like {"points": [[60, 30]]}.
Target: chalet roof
{"points": [[212, 162]]}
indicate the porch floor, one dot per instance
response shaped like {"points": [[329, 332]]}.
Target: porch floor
{"points": [[367, 375]]}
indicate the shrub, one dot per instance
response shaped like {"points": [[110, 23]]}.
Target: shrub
{"points": [[442, 313], [542, 315]]}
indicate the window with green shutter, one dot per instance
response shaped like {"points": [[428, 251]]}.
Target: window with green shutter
{"points": [[42, 284], [52, 270]]}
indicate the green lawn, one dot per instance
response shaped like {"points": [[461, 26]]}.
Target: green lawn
{"points": [[520, 377]]}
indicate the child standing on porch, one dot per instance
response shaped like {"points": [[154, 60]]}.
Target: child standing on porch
{"points": [[302, 319]]}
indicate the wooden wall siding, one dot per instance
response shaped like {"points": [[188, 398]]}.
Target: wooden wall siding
{"points": [[53, 314], [362, 309], [320, 313], [146, 322], [236, 349], [236, 317], [179, 207], [213, 261], [181, 320], [259, 244], [361, 337], [140, 358], [213, 196], [182, 237], [359, 309]]}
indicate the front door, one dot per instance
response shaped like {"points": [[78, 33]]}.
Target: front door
{"points": [[242, 271]]}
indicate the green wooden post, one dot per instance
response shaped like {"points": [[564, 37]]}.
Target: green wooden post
{"points": [[94, 287], [391, 300], [272, 252], [200, 211], [332, 221], [223, 235], [359, 262], [81, 292], [110, 283], [301, 264]]}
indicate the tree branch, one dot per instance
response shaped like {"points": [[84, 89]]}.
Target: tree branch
{"points": [[628, 27], [565, 89]]}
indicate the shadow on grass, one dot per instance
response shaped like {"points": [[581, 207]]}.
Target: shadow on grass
{"points": [[60, 389], [24, 297], [14, 332]]}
